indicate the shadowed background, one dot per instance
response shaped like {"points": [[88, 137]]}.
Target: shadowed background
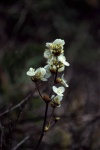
{"points": [[25, 27]]}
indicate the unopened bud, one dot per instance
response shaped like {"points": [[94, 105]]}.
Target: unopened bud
{"points": [[57, 118], [46, 98], [46, 128], [58, 80], [53, 70], [55, 104], [57, 50]]}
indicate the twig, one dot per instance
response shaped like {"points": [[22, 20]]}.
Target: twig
{"points": [[54, 82], [16, 106], [39, 91], [21, 142], [53, 124], [52, 115], [43, 128], [56, 76]]}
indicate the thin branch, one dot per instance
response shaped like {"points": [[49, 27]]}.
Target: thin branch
{"points": [[52, 125], [54, 82], [56, 75], [39, 91], [43, 128], [51, 116], [21, 142], [16, 106]]}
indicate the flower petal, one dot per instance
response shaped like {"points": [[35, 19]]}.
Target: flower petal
{"points": [[59, 41], [62, 89], [55, 89], [31, 72]]}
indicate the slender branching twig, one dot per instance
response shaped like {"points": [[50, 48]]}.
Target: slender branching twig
{"points": [[54, 82], [38, 90], [43, 128], [51, 116]]}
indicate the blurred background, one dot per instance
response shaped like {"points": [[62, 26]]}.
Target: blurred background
{"points": [[25, 27]]}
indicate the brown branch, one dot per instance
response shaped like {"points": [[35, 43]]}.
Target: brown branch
{"points": [[39, 91], [54, 82], [56, 75], [51, 116], [43, 128]]}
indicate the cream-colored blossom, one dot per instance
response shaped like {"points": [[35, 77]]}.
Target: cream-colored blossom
{"points": [[48, 73], [61, 69], [62, 59], [59, 42], [40, 73], [31, 72], [56, 100], [53, 97], [59, 91], [56, 47], [47, 54], [48, 44], [52, 61], [53, 69]]}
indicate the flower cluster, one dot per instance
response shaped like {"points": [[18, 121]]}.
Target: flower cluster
{"points": [[38, 74], [56, 62], [55, 56]]}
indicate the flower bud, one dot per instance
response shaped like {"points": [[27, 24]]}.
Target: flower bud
{"points": [[53, 70], [58, 80], [57, 51], [46, 98], [57, 118], [55, 104], [46, 128]]}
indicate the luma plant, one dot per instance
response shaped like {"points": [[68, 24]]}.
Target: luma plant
{"points": [[56, 62]]}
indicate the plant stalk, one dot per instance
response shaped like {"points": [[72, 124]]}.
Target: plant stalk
{"points": [[43, 128]]}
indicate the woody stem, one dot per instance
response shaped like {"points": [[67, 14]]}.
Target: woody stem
{"points": [[43, 128]]}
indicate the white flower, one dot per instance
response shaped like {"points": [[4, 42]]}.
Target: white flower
{"points": [[53, 68], [57, 100], [31, 72], [47, 54], [59, 42], [59, 91], [61, 69], [63, 81], [40, 73], [48, 44], [62, 59], [48, 73], [52, 60], [52, 64]]}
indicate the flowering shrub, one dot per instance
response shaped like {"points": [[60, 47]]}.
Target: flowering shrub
{"points": [[56, 62]]}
